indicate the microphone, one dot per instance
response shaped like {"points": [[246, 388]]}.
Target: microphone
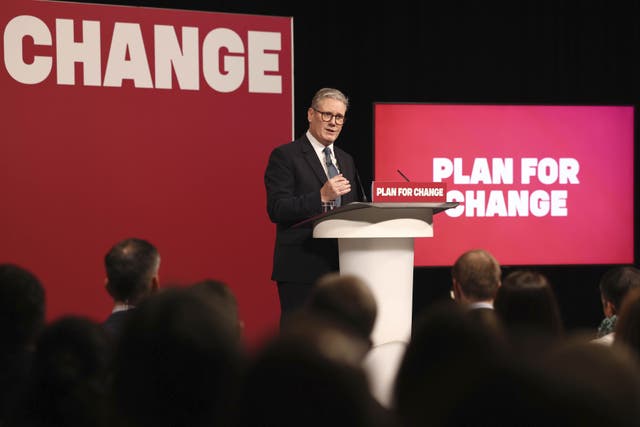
{"points": [[403, 175], [364, 196]]}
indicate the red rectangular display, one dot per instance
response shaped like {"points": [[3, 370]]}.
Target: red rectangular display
{"points": [[537, 184]]}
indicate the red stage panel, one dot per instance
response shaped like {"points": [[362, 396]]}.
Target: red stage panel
{"points": [[138, 122]]}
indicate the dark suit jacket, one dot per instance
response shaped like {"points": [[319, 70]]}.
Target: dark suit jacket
{"points": [[293, 179], [114, 323]]}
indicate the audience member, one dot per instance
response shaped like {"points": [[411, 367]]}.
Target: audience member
{"points": [[475, 281], [452, 365], [220, 294], [309, 375], [70, 376], [22, 310], [528, 309], [614, 285], [346, 299], [132, 274], [592, 385], [177, 363], [628, 325], [327, 335], [455, 373]]}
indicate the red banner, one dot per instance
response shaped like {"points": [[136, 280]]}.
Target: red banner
{"points": [[408, 192], [141, 122]]}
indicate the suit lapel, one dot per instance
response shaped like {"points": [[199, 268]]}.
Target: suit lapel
{"points": [[312, 158], [346, 170], [343, 166]]}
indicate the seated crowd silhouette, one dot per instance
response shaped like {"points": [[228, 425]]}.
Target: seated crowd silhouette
{"points": [[495, 354]]}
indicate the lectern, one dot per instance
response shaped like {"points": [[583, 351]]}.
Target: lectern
{"points": [[376, 243]]}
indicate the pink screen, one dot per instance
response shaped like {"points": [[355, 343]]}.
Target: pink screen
{"points": [[537, 185]]}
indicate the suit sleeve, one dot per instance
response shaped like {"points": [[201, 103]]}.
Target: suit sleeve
{"points": [[288, 199]]}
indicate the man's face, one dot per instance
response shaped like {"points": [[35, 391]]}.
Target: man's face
{"points": [[326, 132]]}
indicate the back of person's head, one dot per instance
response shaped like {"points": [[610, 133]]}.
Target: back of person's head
{"points": [[70, 374], [327, 335], [132, 270], [346, 299], [616, 282], [627, 329], [528, 307], [450, 357], [177, 363], [22, 308], [304, 376], [476, 274], [593, 384], [220, 294]]}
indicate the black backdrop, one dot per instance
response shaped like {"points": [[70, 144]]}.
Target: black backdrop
{"points": [[555, 52]]}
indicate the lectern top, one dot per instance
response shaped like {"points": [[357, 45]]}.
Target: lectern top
{"points": [[432, 208]]}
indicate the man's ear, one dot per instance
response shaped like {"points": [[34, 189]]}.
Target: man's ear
{"points": [[107, 286], [155, 284], [608, 308], [456, 290]]}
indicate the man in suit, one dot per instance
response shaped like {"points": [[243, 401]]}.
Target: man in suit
{"points": [[299, 178], [132, 274], [476, 277]]}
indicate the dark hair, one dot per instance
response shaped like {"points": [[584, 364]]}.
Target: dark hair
{"points": [[130, 265], [346, 299], [305, 368], [70, 375], [222, 297], [616, 282], [22, 307], [451, 356], [591, 384], [478, 274], [526, 303], [177, 363], [627, 329]]}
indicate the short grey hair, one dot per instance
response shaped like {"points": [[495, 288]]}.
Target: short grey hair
{"points": [[328, 92]]}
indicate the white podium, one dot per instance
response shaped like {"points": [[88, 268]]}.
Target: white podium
{"points": [[375, 242]]}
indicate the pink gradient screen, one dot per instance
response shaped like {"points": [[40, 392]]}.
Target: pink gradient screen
{"points": [[537, 185]]}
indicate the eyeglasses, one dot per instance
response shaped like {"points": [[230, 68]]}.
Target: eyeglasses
{"points": [[327, 116]]}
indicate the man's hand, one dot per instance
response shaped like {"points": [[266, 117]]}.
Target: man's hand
{"points": [[334, 187]]}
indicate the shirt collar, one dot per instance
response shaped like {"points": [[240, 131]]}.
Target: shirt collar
{"points": [[317, 145], [480, 304], [121, 306]]}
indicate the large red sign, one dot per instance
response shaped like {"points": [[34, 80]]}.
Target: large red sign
{"points": [[138, 122], [536, 184]]}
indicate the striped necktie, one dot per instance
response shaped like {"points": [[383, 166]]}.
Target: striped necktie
{"points": [[333, 171]]}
